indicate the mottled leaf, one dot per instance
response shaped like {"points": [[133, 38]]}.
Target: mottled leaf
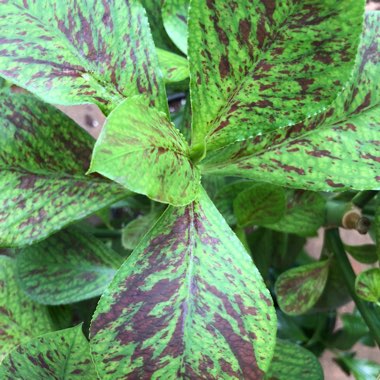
{"points": [[79, 51], [293, 362], [314, 154], [20, 318], [174, 15], [367, 285], [140, 149], [63, 355], [43, 159], [261, 204], [299, 289], [186, 303], [174, 67], [68, 267], [134, 231], [275, 64], [304, 213], [365, 254]]}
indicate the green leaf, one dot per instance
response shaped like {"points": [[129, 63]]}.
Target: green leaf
{"points": [[293, 362], [77, 52], [174, 67], [299, 289], [68, 267], [377, 226], [63, 355], [277, 63], [365, 254], [261, 204], [140, 149], [174, 15], [43, 159], [135, 230], [362, 369], [188, 301], [367, 285], [304, 213], [314, 154], [20, 318]]}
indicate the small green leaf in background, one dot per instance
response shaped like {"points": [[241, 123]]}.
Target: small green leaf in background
{"points": [[293, 362], [20, 318], [362, 369], [78, 52], [174, 67], [68, 267], [134, 231], [365, 254], [186, 303], [299, 289], [259, 205], [140, 149], [43, 159], [304, 213], [63, 355], [367, 285], [174, 15]]}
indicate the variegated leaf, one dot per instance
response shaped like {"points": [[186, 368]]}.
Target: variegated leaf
{"points": [[140, 149], [293, 362], [174, 15], [20, 318], [68, 267], [188, 302], [79, 51], [63, 355], [299, 289], [367, 285], [43, 159], [174, 67], [314, 154]]}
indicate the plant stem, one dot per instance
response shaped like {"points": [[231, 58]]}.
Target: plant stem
{"points": [[368, 315], [362, 198]]}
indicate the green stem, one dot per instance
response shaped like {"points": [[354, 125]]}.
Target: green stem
{"points": [[362, 198], [104, 233], [366, 312]]}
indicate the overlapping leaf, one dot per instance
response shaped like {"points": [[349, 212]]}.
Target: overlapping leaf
{"points": [[315, 153], [20, 318], [174, 15], [299, 289], [43, 159], [140, 149], [68, 267], [187, 302], [174, 67], [293, 362], [63, 355], [367, 285], [365, 254], [76, 51]]}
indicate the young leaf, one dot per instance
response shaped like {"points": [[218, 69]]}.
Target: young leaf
{"points": [[20, 318], [261, 204], [314, 154], [76, 52], [367, 285], [140, 149], [299, 289], [68, 267], [63, 355], [135, 230], [277, 63], [304, 213], [365, 254], [174, 15], [174, 67], [293, 362], [188, 301], [43, 159]]}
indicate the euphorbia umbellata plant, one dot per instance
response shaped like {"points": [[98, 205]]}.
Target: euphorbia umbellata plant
{"points": [[278, 137]]}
